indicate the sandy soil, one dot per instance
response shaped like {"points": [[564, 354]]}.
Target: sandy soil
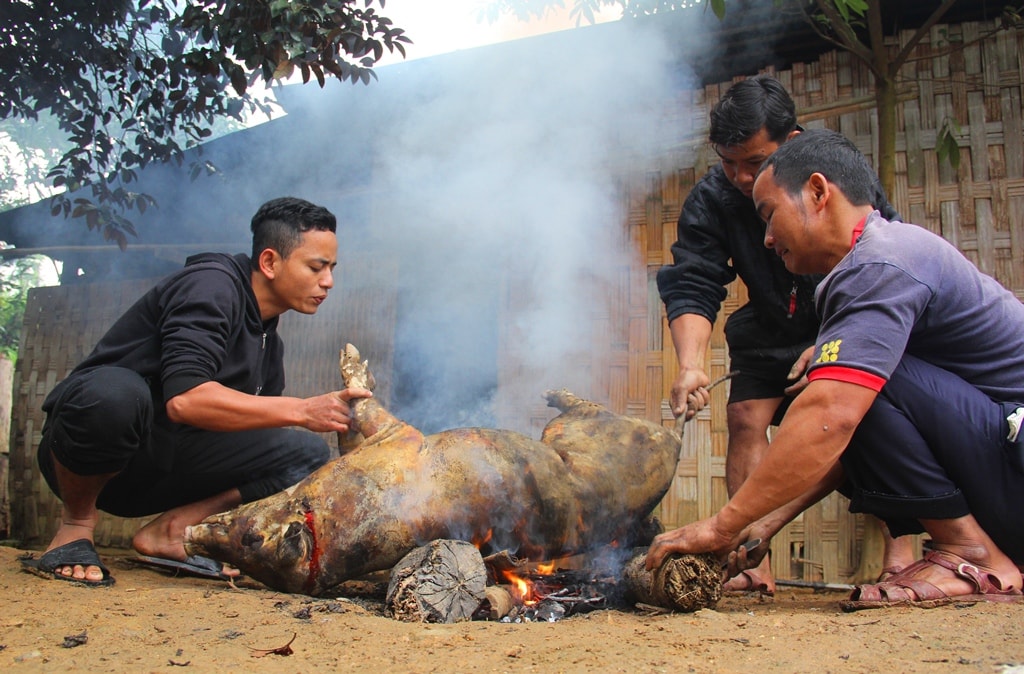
{"points": [[150, 622]]}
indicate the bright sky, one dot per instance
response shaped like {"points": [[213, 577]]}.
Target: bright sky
{"points": [[449, 25]]}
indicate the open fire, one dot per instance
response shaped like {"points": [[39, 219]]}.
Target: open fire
{"points": [[546, 594], [449, 581]]}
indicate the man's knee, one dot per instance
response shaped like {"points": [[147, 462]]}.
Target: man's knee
{"points": [[98, 421], [750, 419], [101, 403]]}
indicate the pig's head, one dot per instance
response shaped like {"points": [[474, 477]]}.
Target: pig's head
{"points": [[272, 545]]}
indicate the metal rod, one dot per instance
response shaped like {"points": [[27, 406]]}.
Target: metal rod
{"points": [[816, 585]]}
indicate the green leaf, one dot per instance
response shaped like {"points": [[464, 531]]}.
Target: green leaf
{"points": [[718, 7], [946, 146], [238, 80], [191, 66], [858, 7]]}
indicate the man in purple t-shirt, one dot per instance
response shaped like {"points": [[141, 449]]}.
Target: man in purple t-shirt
{"points": [[916, 393]]}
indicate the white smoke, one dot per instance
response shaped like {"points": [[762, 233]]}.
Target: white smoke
{"points": [[503, 178], [492, 180]]}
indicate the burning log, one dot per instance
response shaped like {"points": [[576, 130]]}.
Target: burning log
{"points": [[593, 478], [499, 563], [498, 602], [684, 583], [443, 582]]}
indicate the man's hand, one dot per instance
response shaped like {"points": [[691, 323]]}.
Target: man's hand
{"points": [[331, 411], [689, 392], [798, 373], [741, 558], [702, 536]]}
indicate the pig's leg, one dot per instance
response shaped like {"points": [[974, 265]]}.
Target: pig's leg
{"points": [[565, 400], [369, 415]]}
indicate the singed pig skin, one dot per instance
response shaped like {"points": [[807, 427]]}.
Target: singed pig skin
{"points": [[593, 478]]}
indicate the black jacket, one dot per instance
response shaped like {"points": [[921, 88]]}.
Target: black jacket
{"points": [[721, 236], [199, 324]]}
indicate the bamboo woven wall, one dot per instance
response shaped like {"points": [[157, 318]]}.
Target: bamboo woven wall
{"points": [[62, 324]]}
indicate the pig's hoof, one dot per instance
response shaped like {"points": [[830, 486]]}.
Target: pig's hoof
{"points": [[356, 374], [564, 400], [561, 399]]}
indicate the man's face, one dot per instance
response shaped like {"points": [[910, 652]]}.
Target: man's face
{"points": [[741, 161], [302, 280], [788, 230]]}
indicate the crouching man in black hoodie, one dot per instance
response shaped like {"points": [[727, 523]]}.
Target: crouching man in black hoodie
{"points": [[179, 408]]}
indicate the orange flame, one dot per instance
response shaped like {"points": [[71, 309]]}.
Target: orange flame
{"points": [[546, 568], [521, 588], [479, 542], [524, 589]]}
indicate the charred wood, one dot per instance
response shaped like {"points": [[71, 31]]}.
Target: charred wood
{"points": [[498, 603]]}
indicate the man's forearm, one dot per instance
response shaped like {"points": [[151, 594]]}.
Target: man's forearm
{"points": [[691, 334], [217, 408], [803, 454], [773, 522]]}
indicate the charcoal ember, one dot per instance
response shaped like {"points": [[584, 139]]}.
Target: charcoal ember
{"points": [[548, 611], [684, 583]]}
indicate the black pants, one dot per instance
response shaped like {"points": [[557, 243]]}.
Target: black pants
{"points": [[102, 421], [934, 447]]}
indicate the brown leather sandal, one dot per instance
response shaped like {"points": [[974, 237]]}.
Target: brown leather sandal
{"points": [[903, 589], [888, 572]]}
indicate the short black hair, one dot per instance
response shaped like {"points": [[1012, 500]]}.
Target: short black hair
{"points": [[280, 223], [759, 102], [829, 153]]}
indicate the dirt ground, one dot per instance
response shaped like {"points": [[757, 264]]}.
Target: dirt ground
{"points": [[150, 622]]}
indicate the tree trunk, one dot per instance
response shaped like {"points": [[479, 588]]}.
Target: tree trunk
{"points": [[6, 394], [885, 100]]}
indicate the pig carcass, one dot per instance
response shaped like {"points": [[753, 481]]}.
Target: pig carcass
{"points": [[592, 479]]}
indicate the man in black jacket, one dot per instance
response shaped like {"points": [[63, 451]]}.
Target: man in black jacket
{"points": [[179, 408], [721, 236]]}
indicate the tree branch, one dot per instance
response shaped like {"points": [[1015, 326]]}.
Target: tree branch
{"points": [[876, 36], [919, 34], [960, 46], [846, 35]]}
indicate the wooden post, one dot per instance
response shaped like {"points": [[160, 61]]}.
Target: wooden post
{"points": [[6, 397]]}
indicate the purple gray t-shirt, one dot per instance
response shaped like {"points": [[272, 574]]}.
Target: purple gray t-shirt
{"points": [[902, 289]]}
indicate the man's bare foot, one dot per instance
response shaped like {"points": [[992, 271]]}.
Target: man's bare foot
{"points": [[164, 537], [898, 554], [758, 579], [70, 531]]}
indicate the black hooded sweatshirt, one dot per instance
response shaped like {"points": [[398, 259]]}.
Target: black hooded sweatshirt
{"points": [[201, 323], [720, 236]]}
